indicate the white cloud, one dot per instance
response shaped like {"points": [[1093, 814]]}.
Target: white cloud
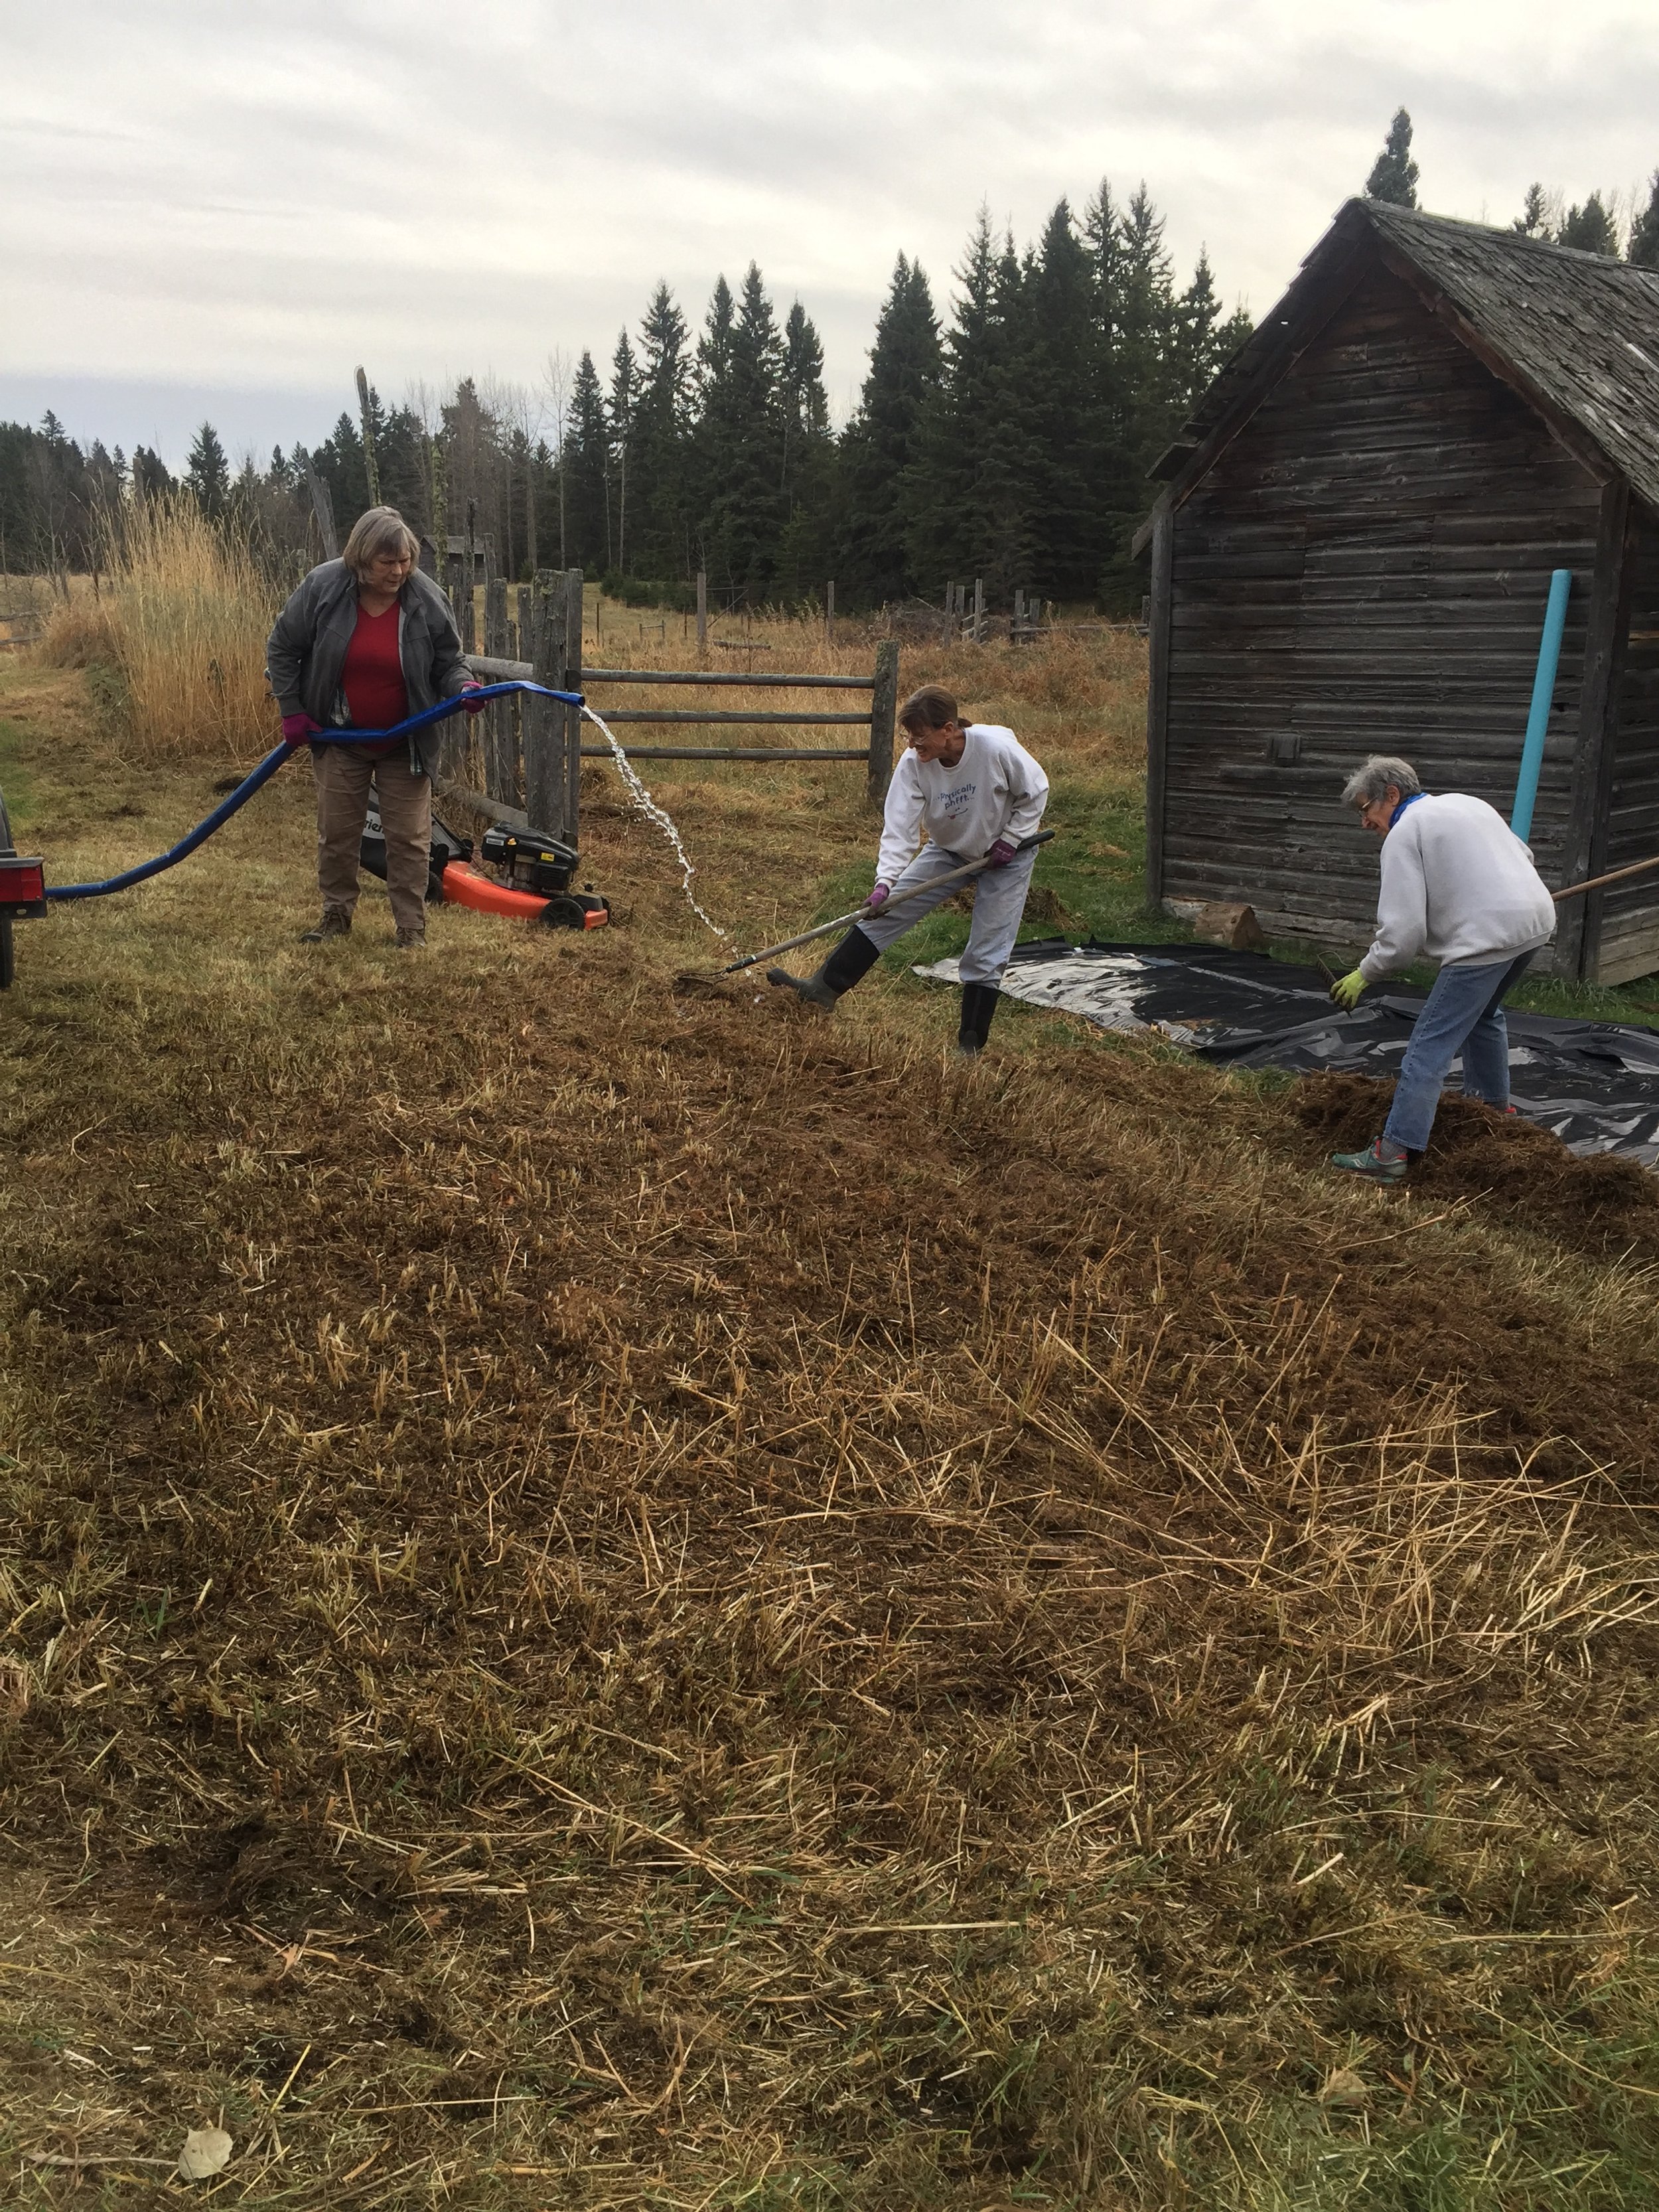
{"points": [[200, 197]]}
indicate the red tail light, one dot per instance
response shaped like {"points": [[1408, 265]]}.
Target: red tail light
{"points": [[22, 887]]}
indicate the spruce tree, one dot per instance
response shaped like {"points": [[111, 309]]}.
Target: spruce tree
{"points": [[970, 494], [1534, 220], [660, 501], [883, 440], [207, 476], [1644, 248], [1591, 228], [1394, 173], [715, 432], [619, 415], [809, 456], [1056, 377], [743, 417], [584, 463]]}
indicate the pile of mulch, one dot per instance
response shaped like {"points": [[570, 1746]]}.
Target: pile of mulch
{"points": [[1600, 1204]]}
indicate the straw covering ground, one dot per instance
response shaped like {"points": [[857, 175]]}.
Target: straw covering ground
{"points": [[617, 1596]]}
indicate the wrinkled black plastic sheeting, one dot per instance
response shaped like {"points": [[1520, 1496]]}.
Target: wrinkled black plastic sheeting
{"points": [[1595, 1083]]}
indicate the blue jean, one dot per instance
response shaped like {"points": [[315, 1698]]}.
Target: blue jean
{"points": [[1464, 1014]]}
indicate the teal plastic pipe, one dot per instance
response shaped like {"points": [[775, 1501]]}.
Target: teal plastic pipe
{"points": [[1543, 690]]}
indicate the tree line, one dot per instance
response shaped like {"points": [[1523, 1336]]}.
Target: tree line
{"points": [[1007, 437]]}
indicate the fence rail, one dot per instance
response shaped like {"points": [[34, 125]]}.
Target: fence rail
{"points": [[531, 747]]}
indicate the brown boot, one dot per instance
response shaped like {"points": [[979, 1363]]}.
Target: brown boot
{"points": [[412, 940], [335, 922]]}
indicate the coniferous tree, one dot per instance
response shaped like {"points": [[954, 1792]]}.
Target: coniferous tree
{"points": [[1591, 228], [1534, 220], [151, 477], [584, 463], [971, 493], [1643, 247], [809, 455], [742, 442], [883, 438], [661, 502], [1056, 383], [620, 418], [1394, 173], [207, 475]]}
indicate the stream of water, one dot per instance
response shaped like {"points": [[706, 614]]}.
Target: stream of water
{"points": [[644, 803]]}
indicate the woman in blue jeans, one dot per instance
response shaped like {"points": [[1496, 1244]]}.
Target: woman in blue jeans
{"points": [[1459, 886]]}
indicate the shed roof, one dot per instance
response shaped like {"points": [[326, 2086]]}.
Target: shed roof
{"points": [[1576, 332]]}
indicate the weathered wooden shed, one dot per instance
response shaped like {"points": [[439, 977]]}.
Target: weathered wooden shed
{"points": [[1352, 554]]}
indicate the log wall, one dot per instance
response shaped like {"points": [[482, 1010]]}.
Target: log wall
{"points": [[1625, 931], [1364, 570]]}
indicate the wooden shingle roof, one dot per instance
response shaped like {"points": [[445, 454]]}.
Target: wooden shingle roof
{"points": [[1577, 333]]}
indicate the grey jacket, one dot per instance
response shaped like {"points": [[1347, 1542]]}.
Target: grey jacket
{"points": [[306, 653]]}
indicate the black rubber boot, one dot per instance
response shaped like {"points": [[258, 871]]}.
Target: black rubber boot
{"points": [[853, 957], [978, 1004]]}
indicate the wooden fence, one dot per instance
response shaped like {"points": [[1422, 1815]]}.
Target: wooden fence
{"points": [[532, 750]]}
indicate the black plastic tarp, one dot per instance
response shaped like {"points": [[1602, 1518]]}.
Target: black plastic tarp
{"points": [[1595, 1083]]}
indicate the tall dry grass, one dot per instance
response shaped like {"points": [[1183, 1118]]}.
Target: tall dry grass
{"points": [[183, 628]]}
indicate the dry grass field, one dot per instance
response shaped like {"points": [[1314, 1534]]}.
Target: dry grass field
{"points": [[614, 1596]]}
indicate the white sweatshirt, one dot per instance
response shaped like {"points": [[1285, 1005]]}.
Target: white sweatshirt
{"points": [[995, 790], [1458, 884]]}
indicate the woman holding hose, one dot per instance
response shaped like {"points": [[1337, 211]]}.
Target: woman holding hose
{"points": [[963, 790], [365, 642]]}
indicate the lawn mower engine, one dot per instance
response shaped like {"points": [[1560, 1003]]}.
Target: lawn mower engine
{"points": [[532, 861]]}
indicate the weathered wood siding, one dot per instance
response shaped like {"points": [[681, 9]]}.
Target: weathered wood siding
{"points": [[1364, 570], [1626, 934]]}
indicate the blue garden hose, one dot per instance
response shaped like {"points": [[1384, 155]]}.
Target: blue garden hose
{"points": [[268, 768]]}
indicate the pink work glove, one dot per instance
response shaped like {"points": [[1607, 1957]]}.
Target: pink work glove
{"points": [[473, 705], [1001, 853], [299, 729], [880, 896]]}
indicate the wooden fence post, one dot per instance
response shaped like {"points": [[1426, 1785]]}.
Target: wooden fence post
{"points": [[543, 768], [500, 766], [884, 710], [570, 679], [703, 614], [830, 613], [979, 610]]}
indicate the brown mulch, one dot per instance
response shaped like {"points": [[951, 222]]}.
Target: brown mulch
{"points": [[1598, 1204]]}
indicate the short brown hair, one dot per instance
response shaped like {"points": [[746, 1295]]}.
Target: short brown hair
{"points": [[930, 708], [379, 530]]}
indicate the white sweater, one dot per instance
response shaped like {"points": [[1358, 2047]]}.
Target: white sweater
{"points": [[995, 790], [1459, 885]]}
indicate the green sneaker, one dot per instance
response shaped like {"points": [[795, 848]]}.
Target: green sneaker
{"points": [[1371, 1163]]}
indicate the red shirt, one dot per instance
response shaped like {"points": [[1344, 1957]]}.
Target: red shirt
{"points": [[373, 677]]}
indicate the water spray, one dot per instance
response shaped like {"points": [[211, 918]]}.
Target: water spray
{"points": [[644, 803]]}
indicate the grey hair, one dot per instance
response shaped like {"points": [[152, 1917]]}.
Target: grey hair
{"points": [[1372, 781], [379, 530]]}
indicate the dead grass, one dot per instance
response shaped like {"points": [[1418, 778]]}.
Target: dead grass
{"points": [[625, 1599], [183, 625]]}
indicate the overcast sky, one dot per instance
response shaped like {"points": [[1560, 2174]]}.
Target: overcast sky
{"points": [[221, 209]]}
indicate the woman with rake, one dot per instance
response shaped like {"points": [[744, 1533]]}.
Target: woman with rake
{"points": [[965, 791]]}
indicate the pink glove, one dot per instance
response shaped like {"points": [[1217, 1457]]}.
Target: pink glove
{"points": [[299, 729], [1001, 853], [473, 705], [880, 896]]}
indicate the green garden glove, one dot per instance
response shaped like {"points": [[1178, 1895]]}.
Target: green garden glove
{"points": [[1346, 989]]}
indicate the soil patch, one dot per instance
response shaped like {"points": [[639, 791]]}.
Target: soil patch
{"points": [[1597, 1204]]}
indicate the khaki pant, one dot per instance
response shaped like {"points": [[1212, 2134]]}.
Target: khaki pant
{"points": [[343, 776]]}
